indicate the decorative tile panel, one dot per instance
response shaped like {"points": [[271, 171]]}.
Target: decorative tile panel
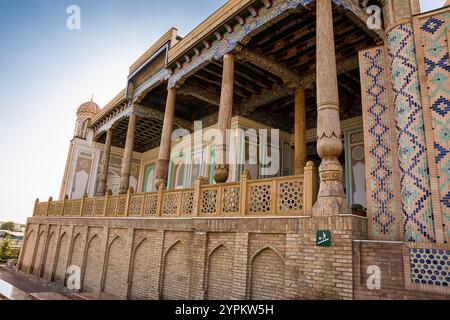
{"points": [[432, 35], [385, 217], [411, 140], [430, 267]]}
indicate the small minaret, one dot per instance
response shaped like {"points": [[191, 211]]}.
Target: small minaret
{"points": [[84, 114]]}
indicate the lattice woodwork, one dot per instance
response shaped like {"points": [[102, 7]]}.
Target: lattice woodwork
{"points": [[99, 206], [260, 198], [188, 203], [121, 205], [40, 209], [68, 208], [51, 209], [88, 207], [136, 206], [112, 205], [290, 196], [151, 205], [76, 208], [231, 199], [209, 201], [170, 203]]}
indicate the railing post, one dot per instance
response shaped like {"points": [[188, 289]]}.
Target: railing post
{"points": [[198, 195], [245, 176], [82, 204], [309, 187], [179, 204], [143, 206], [105, 207], [48, 205], [160, 201], [66, 197], [128, 201], [35, 207]]}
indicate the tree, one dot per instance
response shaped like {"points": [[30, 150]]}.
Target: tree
{"points": [[5, 249], [10, 226]]}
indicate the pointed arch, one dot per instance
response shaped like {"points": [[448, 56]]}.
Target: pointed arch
{"points": [[176, 272], [93, 270], [141, 270], [267, 271], [39, 254], [115, 267], [50, 256], [29, 251], [219, 281], [77, 251], [62, 258]]}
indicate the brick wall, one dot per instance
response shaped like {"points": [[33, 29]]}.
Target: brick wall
{"points": [[220, 258], [389, 257]]}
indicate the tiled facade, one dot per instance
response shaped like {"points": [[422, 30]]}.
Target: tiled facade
{"points": [[412, 149], [386, 220], [431, 36]]}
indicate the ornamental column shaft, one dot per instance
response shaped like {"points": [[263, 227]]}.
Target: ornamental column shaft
{"points": [[128, 154], [331, 199], [162, 164], [101, 189], [300, 131], [224, 122]]}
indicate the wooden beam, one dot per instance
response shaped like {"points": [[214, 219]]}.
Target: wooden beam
{"points": [[287, 75], [265, 97], [149, 113], [277, 92], [194, 90]]}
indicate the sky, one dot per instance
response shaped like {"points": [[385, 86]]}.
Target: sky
{"points": [[47, 71]]}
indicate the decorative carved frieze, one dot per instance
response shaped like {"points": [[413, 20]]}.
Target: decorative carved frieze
{"points": [[141, 91], [240, 36], [113, 117]]}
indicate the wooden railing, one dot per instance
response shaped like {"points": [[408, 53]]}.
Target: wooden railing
{"points": [[286, 196]]}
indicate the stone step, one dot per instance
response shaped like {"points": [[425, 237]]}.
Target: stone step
{"points": [[9, 292], [94, 296], [48, 296]]}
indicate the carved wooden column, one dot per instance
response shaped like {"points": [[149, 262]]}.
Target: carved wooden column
{"points": [[226, 108], [300, 131], [332, 199], [128, 154], [101, 189], [162, 164]]}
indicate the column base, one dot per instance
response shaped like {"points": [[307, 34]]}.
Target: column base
{"points": [[160, 183], [332, 200]]}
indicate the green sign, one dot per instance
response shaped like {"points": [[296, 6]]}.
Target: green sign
{"points": [[323, 238]]}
